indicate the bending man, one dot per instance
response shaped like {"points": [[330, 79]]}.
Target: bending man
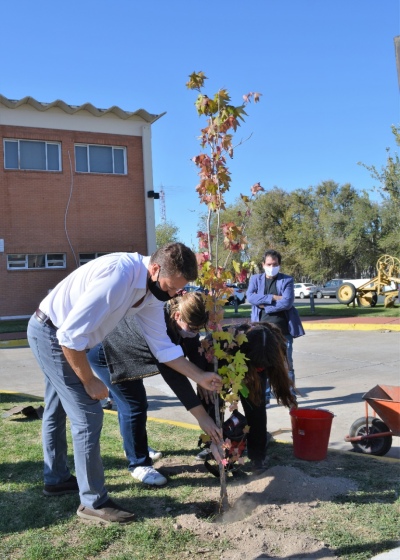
{"points": [[76, 316]]}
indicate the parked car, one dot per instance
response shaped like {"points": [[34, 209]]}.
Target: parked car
{"points": [[330, 288], [192, 288], [239, 291], [303, 290]]}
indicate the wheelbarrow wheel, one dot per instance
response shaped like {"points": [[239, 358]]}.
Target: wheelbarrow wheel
{"points": [[373, 446]]}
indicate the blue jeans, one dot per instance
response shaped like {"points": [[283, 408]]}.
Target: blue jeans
{"points": [[131, 402], [66, 396], [289, 357]]}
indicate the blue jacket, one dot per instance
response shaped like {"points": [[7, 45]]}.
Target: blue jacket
{"points": [[284, 285]]}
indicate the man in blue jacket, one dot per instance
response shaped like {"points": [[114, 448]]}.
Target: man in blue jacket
{"points": [[271, 295]]}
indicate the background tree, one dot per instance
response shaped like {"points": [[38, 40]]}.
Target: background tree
{"points": [[388, 179], [166, 232], [322, 231]]}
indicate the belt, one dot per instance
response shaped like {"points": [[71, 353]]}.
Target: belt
{"points": [[45, 319]]}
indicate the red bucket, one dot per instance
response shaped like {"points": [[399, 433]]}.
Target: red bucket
{"points": [[311, 429]]}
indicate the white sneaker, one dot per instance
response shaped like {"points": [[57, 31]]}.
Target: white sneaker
{"points": [[153, 454], [148, 475]]}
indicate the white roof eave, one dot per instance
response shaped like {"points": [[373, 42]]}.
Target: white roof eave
{"points": [[72, 109]]}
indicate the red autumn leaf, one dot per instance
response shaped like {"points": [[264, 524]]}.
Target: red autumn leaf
{"points": [[202, 258], [256, 188], [242, 276]]}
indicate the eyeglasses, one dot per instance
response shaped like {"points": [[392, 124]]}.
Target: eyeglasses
{"points": [[194, 329]]}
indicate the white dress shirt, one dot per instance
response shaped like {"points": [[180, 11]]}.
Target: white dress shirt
{"points": [[90, 302]]}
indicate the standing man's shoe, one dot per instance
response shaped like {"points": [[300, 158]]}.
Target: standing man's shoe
{"points": [[107, 513], [69, 486]]}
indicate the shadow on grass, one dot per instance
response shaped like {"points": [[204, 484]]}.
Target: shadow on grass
{"points": [[19, 398], [29, 509], [372, 549]]}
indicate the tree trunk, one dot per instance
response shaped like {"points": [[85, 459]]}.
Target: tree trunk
{"points": [[223, 496]]}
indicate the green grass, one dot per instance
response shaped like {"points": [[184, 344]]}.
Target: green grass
{"points": [[356, 526], [331, 310], [33, 527]]}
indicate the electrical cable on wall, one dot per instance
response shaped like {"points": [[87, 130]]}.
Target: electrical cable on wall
{"points": [[67, 208]]}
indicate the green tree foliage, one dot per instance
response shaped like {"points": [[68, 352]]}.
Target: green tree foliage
{"points": [[388, 179], [389, 176], [166, 232], [323, 231]]}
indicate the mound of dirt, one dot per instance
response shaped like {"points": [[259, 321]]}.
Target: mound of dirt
{"points": [[268, 513]]}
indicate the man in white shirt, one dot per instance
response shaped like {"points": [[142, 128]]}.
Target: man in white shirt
{"points": [[75, 316]]}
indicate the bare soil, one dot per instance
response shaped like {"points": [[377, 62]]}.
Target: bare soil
{"points": [[268, 514]]}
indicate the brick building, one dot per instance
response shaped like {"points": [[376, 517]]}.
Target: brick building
{"points": [[75, 182]]}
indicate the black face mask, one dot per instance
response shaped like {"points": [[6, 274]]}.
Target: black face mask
{"points": [[155, 289]]}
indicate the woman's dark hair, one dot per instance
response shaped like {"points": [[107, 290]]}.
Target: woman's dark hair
{"points": [[176, 259], [266, 350]]}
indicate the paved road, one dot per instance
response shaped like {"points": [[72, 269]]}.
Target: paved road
{"points": [[333, 370]]}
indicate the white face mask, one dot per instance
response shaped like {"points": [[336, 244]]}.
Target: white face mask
{"points": [[187, 334], [271, 270]]}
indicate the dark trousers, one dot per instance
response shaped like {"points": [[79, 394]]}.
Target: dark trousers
{"points": [[131, 401]]}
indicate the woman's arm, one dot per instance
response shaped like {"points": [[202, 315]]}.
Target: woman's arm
{"points": [[180, 385], [183, 389]]}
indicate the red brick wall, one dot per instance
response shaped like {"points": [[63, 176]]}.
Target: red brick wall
{"points": [[106, 213]]}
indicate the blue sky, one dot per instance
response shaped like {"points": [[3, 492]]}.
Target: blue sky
{"points": [[326, 70]]}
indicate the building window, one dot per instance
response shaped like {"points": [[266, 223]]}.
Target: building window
{"points": [[86, 257], [47, 260], [32, 155], [100, 159]]}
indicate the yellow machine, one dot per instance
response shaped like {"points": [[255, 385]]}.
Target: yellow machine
{"points": [[385, 284]]}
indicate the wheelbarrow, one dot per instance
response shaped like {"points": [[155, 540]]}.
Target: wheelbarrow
{"points": [[373, 435]]}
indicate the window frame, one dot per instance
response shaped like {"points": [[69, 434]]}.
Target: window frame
{"points": [[96, 254], [113, 148], [23, 258], [45, 142]]}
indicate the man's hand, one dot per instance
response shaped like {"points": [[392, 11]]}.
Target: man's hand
{"points": [[207, 379], [93, 386], [96, 389], [276, 298], [210, 381]]}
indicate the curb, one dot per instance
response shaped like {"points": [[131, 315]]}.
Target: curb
{"points": [[19, 343], [383, 327], [197, 428], [307, 325]]}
